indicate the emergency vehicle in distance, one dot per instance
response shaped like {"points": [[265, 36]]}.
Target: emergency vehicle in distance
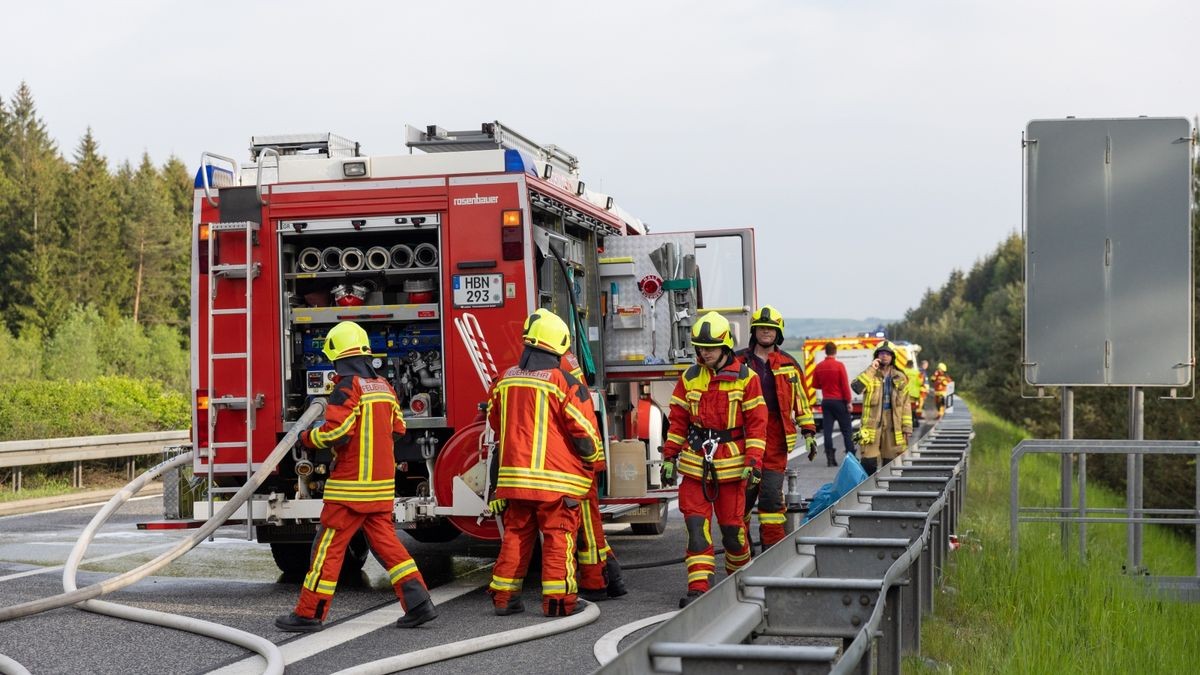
{"points": [[855, 353], [440, 255]]}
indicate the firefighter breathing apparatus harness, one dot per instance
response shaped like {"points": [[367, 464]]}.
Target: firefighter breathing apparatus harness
{"points": [[707, 442]]}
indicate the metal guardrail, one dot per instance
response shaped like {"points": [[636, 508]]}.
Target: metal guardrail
{"points": [[862, 573], [17, 454], [1133, 515]]}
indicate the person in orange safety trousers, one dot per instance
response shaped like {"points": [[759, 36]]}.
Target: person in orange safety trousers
{"points": [[717, 433], [546, 435], [361, 416]]}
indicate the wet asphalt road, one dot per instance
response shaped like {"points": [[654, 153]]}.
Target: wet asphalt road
{"points": [[234, 582]]}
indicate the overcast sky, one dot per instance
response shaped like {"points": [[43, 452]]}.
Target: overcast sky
{"points": [[874, 146]]}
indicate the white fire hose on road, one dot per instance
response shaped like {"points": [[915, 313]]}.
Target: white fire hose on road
{"points": [[86, 594]]}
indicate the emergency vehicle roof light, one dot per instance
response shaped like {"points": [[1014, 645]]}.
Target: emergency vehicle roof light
{"points": [[516, 161]]}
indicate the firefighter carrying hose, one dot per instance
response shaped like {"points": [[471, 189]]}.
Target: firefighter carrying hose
{"points": [[718, 427], [360, 420], [546, 431], [782, 383]]}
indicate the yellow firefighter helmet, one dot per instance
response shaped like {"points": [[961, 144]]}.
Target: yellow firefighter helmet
{"points": [[546, 331], [712, 330], [346, 339], [768, 317]]}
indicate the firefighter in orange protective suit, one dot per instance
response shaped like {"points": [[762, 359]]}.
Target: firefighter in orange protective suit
{"points": [[718, 427], [361, 417], [600, 575], [546, 431], [788, 416], [941, 386]]}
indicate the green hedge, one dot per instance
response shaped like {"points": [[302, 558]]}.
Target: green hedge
{"points": [[104, 405]]}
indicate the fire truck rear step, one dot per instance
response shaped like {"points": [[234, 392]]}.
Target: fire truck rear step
{"points": [[616, 510]]}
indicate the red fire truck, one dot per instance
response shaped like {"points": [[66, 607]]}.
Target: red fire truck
{"points": [[439, 254]]}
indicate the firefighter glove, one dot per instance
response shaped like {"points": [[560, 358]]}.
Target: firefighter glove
{"points": [[752, 474], [811, 443], [497, 506], [668, 472]]}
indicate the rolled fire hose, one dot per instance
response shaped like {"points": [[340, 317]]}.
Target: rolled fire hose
{"points": [[426, 255], [352, 259], [378, 258], [315, 410], [309, 260], [331, 258], [401, 256]]}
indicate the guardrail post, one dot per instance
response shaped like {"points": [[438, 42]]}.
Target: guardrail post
{"points": [[16, 479], [889, 639], [77, 475], [864, 664]]}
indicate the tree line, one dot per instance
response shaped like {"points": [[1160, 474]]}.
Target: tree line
{"points": [[974, 324], [74, 233]]}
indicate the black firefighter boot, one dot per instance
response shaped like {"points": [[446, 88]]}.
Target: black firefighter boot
{"points": [[294, 623], [418, 615], [616, 581]]}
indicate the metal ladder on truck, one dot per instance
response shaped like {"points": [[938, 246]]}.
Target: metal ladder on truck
{"points": [[248, 402]]}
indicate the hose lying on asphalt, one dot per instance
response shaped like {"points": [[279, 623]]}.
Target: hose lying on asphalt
{"points": [[267, 649], [474, 645], [11, 667], [75, 595]]}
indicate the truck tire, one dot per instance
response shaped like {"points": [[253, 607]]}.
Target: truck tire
{"points": [[657, 527], [439, 533]]}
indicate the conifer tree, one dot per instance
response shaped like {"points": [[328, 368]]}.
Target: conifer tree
{"points": [[178, 184], [37, 265], [149, 245], [98, 273]]}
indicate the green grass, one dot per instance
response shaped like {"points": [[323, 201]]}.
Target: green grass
{"points": [[1047, 611]]}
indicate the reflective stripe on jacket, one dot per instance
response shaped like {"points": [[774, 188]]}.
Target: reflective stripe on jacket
{"points": [[360, 419], [795, 412], [545, 429], [727, 399], [869, 383]]}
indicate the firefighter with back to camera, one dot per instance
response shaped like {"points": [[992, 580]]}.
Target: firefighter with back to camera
{"points": [[362, 415], [717, 432], [546, 434], [788, 412]]}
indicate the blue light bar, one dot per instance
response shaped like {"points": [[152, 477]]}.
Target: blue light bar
{"points": [[217, 177], [516, 161]]}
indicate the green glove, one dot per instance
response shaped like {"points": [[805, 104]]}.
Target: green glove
{"points": [[811, 443], [668, 472], [751, 474], [497, 506]]}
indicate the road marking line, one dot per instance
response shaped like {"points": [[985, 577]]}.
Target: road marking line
{"points": [[343, 632], [71, 508], [111, 556]]}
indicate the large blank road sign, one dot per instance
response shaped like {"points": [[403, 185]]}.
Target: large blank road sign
{"points": [[1108, 252]]}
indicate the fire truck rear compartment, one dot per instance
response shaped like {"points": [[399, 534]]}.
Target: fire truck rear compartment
{"points": [[383, 272]]}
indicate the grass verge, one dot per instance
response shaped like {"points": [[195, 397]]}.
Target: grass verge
{"points": [[1047, 611]]}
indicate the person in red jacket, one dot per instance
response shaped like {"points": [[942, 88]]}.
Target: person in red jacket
{"points": [[362, 414], [782, 380], [831, 378], [545, 433], [717, 432]]}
